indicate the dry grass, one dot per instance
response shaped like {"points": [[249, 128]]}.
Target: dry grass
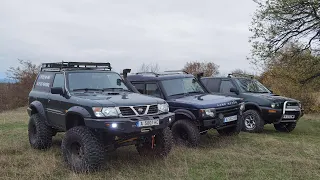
{"points": [[269, 155]]}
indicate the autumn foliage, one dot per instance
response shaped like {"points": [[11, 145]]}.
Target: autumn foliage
{"points": [[13, 95], [209, 69]]}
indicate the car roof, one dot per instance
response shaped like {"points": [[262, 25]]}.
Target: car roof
{"points": [[159, 77]]}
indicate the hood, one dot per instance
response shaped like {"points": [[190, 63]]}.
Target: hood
{"points": [[272, 97], [120, 99], [204, 101], [265, 99]]}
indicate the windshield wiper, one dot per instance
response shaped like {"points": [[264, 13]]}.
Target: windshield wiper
{"points": [[194, 92], [87, 89], [121, 89], [179, 94], [258, 91]]}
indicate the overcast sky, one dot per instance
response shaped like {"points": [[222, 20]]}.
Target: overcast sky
{"points": [[126, 33]]}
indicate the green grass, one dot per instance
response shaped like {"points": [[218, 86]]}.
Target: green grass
{"points": [[269, 155]]}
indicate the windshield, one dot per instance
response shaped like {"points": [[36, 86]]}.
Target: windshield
{"points": [[252, 85], [181, 86], [95, 81]]}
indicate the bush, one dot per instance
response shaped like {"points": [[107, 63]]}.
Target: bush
{"points": [[14, 95]]}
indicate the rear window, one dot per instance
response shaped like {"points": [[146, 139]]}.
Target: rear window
{"points": [[44, 82], [212, 84]]}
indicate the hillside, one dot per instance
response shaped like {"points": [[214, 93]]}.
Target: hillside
{"points": [[269, 155]]}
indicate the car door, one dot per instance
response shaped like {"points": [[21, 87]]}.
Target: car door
{"points": [[149, 88], [225, 86], [212, 84], [153, 89], [55, 108]]}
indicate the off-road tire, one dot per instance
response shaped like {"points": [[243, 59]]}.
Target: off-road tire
{"points": [[285, 127], [162, 146], [82, 150], [40, 135], [185, 133], [259, 122], [232, 131]]}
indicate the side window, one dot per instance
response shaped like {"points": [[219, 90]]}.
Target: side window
{"points": [[153, 90], [225, 86], [44, 81], [140, 87], [212, 85], [58, 81]]}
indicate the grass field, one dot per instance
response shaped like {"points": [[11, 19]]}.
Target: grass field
{"points": [[269, 155]]}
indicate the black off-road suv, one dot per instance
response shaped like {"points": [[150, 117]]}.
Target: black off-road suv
{"points": [[261, 105], [99, 112], [196, 110]]}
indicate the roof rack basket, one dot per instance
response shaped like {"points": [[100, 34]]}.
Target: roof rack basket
{"points": [[74, 65]]}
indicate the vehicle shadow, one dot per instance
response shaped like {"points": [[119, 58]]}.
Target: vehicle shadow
{"points": [[122, 157]]}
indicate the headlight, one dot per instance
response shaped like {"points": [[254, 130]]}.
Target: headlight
{"points": [[275, 105], [242, 107], [163, 107], [208, 112], [105, 112]]}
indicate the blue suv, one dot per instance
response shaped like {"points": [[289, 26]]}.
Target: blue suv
{"points": [[195, 108]]}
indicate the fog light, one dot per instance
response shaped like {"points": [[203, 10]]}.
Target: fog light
{"points": [[114, 125], [170, 120]]}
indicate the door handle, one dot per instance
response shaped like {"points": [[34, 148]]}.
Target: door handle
{"points": [[49, 100]]}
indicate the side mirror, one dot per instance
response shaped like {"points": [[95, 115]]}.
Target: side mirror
{"points": [[119, 82], [234, 90], [57, 90]]}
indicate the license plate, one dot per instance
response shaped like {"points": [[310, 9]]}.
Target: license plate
{"points": [[288, 116], [230, 118], [148, 123]]}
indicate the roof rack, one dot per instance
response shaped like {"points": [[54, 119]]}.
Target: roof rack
{"points": [[240, 75], [153, 73], [74, 65], [164, 73], [178, 71]]}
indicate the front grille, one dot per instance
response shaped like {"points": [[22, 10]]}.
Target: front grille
{"points": [[153, 109], [228, 111], [292, 104], [140, 109], [126, 111]]}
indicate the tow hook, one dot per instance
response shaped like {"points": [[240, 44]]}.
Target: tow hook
{"points": [[146, 129]]}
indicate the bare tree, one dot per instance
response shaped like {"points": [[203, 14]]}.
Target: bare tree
{"points": [[149, 67], [208, 68], [277, 23]]}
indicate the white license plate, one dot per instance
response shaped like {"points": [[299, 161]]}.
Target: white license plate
{"points": [[288, 116], [230, 118], [148, 123]]}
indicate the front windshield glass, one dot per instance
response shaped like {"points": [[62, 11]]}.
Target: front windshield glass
{"points": [[103, 81], [182, 86], [252, 85]]}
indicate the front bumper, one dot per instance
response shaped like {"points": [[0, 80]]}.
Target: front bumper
{"points": [[129, 124], [276, 116], [219, 123]]}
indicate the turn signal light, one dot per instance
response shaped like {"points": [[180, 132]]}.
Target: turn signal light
{"points": [[272, 111]]}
